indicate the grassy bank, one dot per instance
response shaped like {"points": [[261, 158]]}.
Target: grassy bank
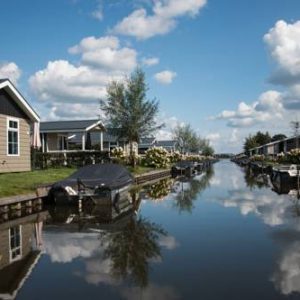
{"points": [[23, 183]]}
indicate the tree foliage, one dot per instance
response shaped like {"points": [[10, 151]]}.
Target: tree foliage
{"points": [[278, 137], [256, 140], [130, 113], [187, 140]]}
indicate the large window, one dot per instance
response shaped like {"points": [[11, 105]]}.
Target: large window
{"points": [[15, 243], [12, 137]]}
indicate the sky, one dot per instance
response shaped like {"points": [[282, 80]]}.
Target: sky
{"points": [[228, 68]]}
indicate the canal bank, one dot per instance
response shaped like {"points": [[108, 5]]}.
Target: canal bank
{"points": [[217, 233]]}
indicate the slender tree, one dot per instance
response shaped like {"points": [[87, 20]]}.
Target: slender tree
{"points": [[130, 113]]}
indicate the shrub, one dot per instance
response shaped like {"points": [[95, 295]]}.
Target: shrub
{"points": [[257, 157], [157, 157], [118, 152], [176, 156], [294, 156]]}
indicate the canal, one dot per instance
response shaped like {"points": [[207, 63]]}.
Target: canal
{"points": [[220, 235]]}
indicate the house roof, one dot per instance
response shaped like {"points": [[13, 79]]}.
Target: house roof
{"points": [[165, 143], [146, 142], [71, 126], [7, 85], [274, 143]]}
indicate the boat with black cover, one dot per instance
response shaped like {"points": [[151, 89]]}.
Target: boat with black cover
{"points": [[100, 183]]}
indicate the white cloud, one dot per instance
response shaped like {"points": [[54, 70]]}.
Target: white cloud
{"points": [[150, 61], [213, 136], [287, 276], [165, 77], [283, 41], [98, 12], [65, 247], [170, 123], [169, 242], [102, 60], [142, 25], [268, 107], [105, 53], [11, 71]]}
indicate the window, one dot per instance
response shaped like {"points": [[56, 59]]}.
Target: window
{"points": [[62, 142], [15, 242], [12, 137]]}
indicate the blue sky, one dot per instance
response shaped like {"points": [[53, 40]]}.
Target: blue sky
{"points": [[213, 63]]}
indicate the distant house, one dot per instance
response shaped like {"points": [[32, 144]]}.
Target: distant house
{"points": [[169, 145], [276, 147], [60, 136], [16, 119], [80, 135], [145, 144]]}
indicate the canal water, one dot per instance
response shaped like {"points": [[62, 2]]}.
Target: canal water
{"points": [[223, 234]]}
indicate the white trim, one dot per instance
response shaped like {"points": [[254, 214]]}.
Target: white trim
{"points": [[12, 129], [13, 92], [21, 244], [95, 125]]}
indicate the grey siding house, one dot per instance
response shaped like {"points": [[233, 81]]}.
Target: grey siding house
{"points": [[16, 118], [78, 136]]}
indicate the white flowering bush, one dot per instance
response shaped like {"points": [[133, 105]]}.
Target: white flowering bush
{"points": [[157, 157], [118, 152], [176, 156], [257, 157], [293, 156]]}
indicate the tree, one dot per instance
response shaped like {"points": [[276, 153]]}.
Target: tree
{"points": [[278, 137], [259, 139], [208, 150], [130, 113], [188, 140]]}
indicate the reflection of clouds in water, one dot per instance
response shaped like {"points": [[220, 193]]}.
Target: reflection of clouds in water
{"points": [[152, 291], [169, 242], [287, 276], [97, 271], [268, 206], [215, 181], [64, 247]]}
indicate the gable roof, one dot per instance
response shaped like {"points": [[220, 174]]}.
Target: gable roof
{"points": [[71, 126], [165, 143], [19, 99]]}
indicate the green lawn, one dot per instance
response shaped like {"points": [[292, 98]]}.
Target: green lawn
{"points": [[26, 182], [23, 183]]}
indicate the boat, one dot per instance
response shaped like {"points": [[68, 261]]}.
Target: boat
{"points": [[101, 184], [285, 175], [184, 167]]}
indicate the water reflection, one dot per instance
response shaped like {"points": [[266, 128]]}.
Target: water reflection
{"points": [[280, 212], [186, 191], [255, 179], [131, 249], [20, 249], [116, 252]]}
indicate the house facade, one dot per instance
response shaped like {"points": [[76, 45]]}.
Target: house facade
{"points": [[16, 119], [276, 147], [78, 136]]}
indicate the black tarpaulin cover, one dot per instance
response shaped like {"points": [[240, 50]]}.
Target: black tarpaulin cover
{"points": [[111, 176]]}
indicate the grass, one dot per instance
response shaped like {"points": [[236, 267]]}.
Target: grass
{"points": [[12, 184], [138, 170], [26, 182]]}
